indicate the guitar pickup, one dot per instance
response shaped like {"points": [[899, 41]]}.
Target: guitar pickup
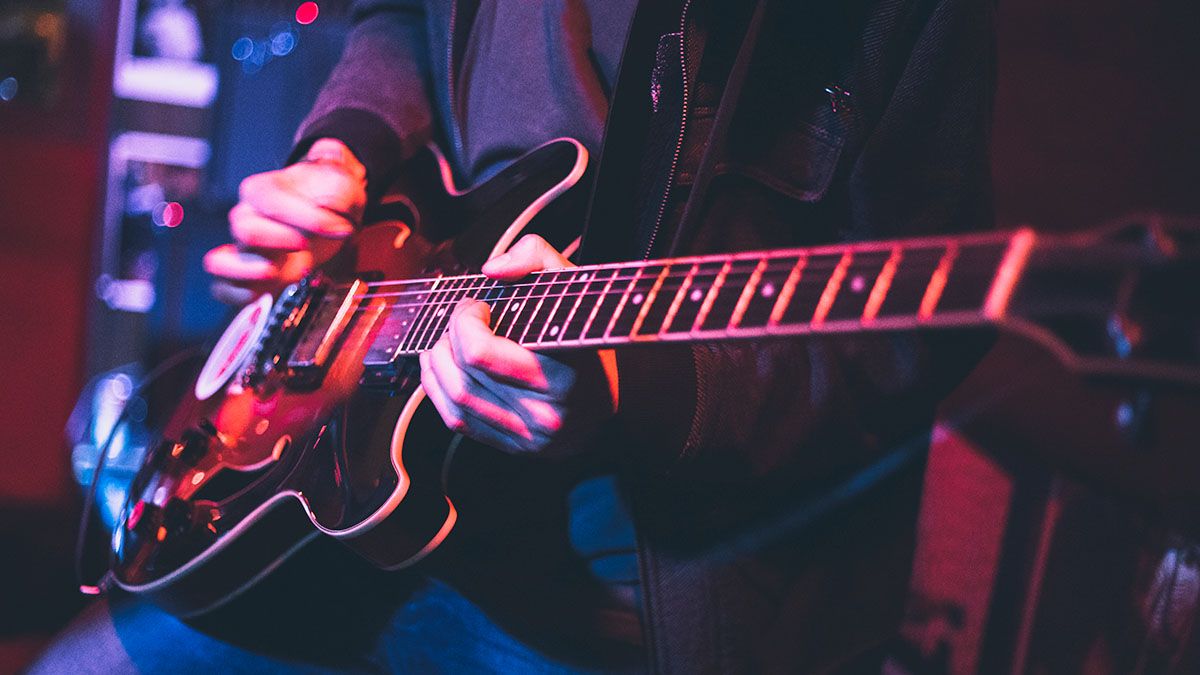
{"points": [[325, 330]]}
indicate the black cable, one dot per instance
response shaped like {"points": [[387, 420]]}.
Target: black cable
{"points": [[102, 458]]}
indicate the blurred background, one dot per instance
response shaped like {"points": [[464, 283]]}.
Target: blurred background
{"points": [[125, 127]]}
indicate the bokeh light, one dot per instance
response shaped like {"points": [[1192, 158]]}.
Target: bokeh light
{"points": [[8, 89], [242, 49], [283, 39], [168, 214], [307, 13]]}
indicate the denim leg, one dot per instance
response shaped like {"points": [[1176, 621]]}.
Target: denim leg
{"points": [[440, 631], [136, 637]]}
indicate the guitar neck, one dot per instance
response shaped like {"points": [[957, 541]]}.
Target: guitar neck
{"points": [[947, 281]]}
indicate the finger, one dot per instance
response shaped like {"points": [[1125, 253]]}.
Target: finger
{"points": [[269, 198], [230, 294], [468, 408], [246, 268], [227, 262], [450, 413], [252, 230], [481, 352], [530, 254]]}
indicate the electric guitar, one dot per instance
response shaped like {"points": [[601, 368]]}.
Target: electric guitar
{"points": [[307, 417]]}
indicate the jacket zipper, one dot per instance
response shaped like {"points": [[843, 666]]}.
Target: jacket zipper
{"points": [[455, 132], [683, 118]]}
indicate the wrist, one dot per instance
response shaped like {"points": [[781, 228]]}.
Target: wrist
{"points": [[333, 151]]}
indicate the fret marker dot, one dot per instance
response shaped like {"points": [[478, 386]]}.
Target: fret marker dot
{"points": [[515, 307], [441, 311], [553, 331], [582, 276], [637, 299], [858, 284], [768, 290], [697, 295]]}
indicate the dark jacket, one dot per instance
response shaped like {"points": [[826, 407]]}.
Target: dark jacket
{"points": [[775, 489]]}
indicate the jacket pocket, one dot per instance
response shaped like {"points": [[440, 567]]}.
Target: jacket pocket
{"points": [[798, 162]]}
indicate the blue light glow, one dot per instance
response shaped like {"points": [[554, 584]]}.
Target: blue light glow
{"points": [[8, 89], [242, 49], [283, 42]]}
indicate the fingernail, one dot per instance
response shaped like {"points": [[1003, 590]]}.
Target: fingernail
{"points": [[496, 263]]}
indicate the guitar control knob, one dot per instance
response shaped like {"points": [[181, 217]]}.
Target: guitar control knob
{"points": [[177, 516], [192, 448]]}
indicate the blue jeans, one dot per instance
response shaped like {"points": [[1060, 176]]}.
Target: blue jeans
{"points": [[435, 630]]}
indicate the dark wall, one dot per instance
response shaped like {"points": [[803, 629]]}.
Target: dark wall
{"points": [[1097, 110]]}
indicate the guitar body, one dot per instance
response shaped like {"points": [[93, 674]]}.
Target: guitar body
{"points": [[259, 459]]}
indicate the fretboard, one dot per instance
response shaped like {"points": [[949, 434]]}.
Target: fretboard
{"points": [[855, 287]]}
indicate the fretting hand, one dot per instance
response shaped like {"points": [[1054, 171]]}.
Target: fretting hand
{"points": [[287, 221], [493, 390]]}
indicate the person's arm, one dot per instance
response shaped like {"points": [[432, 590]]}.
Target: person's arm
{"points": [[376, 101], [371, 115]]}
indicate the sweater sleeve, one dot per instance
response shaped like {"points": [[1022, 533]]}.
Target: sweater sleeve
{"points": [[377, 100], [809, 410]]}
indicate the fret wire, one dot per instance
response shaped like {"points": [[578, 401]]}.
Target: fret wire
{"points": [[711, 297], [937, 283], [556, 322], [832, 289], [804, 282], [438, 327], [553, 310], [587, 279], [747, 293], [612, 321], [418, 285], [679, 296], [637, 323], [441, 288], [456, 297], [542, 325], [592, 315], [789, 289], [549, 286], [883, 284], [431, 332], [425, 313], [507, 320], [830, 250], [901, 274], [750, 263]]}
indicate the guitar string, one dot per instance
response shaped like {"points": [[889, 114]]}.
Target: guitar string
{"points": [[572, 271], [542, 281], [833, 254], [453, 297], [421, 332], [824, 263], [670, 283]]}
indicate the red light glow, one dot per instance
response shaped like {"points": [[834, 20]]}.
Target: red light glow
{"points": [[172, 215], [307, 13]]}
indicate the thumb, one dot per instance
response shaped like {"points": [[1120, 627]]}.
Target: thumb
{"points": [[530, 254]]}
